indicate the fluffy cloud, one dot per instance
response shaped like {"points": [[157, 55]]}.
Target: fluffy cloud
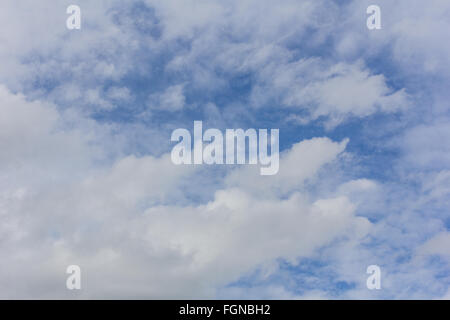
{"points": [[122, 224], [172, 99], [332, 91], [439, 244]]}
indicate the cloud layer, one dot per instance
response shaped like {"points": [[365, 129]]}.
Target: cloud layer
{"points": [[85, 170]]}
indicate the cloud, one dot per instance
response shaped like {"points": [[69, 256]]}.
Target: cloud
{"points": [[439, 244], [121, 223], [423, 145], [117, 93], [172, 99], [333, 91], [300, 163]]}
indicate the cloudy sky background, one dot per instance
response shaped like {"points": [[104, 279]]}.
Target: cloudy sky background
{"points": [[85, 170]]}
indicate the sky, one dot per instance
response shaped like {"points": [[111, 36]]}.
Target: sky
{"points": [[86, 176]]}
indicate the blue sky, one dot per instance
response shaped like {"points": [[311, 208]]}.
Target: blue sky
{"points": [[85, 170]]}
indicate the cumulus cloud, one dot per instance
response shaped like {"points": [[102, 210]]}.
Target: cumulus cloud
{"points": [[122, 224], [300, 163], [332, 91], [439, 244], [172, 99]]}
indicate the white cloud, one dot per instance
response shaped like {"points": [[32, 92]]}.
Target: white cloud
{"points": [[131, 230], [118, 93], [172, 99], [297, 165], [439, 244], [423, 145], [333, 91]]}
